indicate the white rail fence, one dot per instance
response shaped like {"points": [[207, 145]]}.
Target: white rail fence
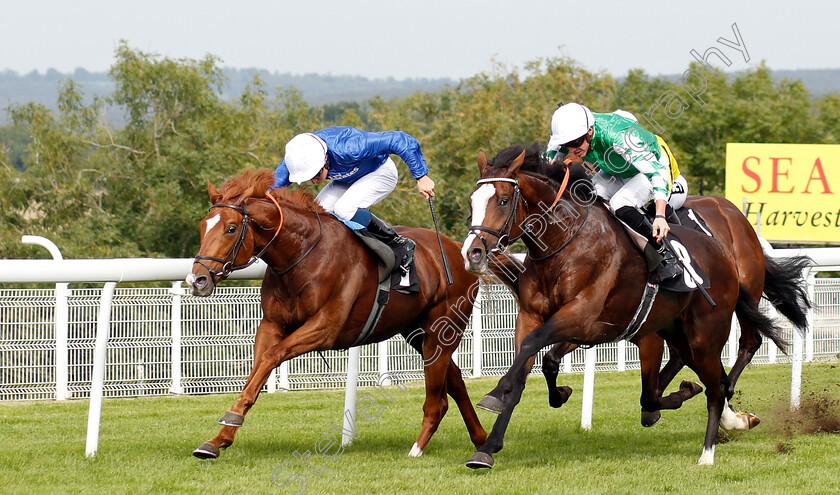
{"points": [[164, 341], [71, 343]]}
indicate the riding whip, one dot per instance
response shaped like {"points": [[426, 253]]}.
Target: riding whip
{"points": [[440, 242]]}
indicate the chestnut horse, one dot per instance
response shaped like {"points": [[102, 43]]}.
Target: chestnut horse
{"points": [[780, 279], [318, 292], [586, 290]]}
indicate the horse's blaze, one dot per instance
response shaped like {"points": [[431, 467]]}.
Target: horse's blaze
{"points": [[479, 200], [211, 222]]}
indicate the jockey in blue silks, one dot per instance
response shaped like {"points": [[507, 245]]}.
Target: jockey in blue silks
{"points": [[359, 165]]}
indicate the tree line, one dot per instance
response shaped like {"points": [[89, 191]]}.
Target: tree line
{"points": [[139, 188]]}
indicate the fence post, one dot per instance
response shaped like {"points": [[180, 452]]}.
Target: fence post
{"points": [[382, 351], [62, 318], [734, 327], [621, 356], [349, 410], [177, 386], [588, 394], [100, 355], [283, 383], [796, 372], [475, 323], [271, 383], [809, 333], [62, 324]]}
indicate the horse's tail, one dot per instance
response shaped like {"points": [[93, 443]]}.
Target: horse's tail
{"points": [[750, 316], [784, 286]]}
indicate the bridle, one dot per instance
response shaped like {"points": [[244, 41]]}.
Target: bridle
{"points": [[228, 261], [502, 234]]}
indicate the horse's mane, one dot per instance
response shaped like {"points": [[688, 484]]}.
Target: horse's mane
{"points": [[536, 164], [255, 183]]}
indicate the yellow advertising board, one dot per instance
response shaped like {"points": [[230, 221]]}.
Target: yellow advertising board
{"points": [[792, 189]]}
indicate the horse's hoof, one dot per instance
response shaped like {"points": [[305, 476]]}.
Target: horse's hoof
{"points": [[480, 460], [415, 451], [752, 419], [232, 419], [650, 418], [690, 389], [206, 451], [564, 393], [492, 404]]}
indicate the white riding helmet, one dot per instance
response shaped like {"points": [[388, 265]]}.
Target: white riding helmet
{"points": [[568, 123], [305, 157], [626, 115]]}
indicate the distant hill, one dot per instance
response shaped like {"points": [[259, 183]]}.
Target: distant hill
{"points": [[818, 81], [317, 89]]}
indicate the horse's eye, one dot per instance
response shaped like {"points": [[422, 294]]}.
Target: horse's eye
{"points": [[504, 201], [231, 229]]}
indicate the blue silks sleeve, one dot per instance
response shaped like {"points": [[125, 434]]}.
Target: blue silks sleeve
{"points": [[281, 175]]}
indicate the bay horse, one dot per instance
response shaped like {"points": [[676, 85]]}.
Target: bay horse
{"points": [[318, 292], [586, 291], [781, 279]]}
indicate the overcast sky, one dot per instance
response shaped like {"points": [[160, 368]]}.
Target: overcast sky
{"points": [[419, 38]]}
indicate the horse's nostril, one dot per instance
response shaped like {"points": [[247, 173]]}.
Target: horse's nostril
{"points": [[201, 282], [476, 254]]}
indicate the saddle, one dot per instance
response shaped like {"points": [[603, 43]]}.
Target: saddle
{"points": [[391, 276], [387, 256], [692, 278]]}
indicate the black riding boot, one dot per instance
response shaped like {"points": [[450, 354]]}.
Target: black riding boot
{"points": [[383, 232], [662, 264], [669, 267]]}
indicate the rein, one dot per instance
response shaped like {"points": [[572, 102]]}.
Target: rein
{"points": [[320, 234]]}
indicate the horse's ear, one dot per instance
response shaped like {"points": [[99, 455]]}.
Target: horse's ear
{"points": [[517, 162], [252, 192], [215, 195], [482, 162]]}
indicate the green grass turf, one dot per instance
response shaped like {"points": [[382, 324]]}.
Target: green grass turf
{"points": [[146, 444]]}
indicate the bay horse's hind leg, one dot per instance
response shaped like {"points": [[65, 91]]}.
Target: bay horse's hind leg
{"points": [[706, 333], [710, 369], [557, 396], [655, 381], [753, 324]]}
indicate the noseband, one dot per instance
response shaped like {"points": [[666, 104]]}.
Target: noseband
{"points": [[504, 233]]}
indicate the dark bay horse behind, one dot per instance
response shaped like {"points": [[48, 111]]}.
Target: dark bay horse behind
{"points": [[780, 279], [585, 281], [318, 292]]}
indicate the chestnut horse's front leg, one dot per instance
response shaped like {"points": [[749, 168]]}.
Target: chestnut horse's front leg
{"points": [[269, 352]]}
